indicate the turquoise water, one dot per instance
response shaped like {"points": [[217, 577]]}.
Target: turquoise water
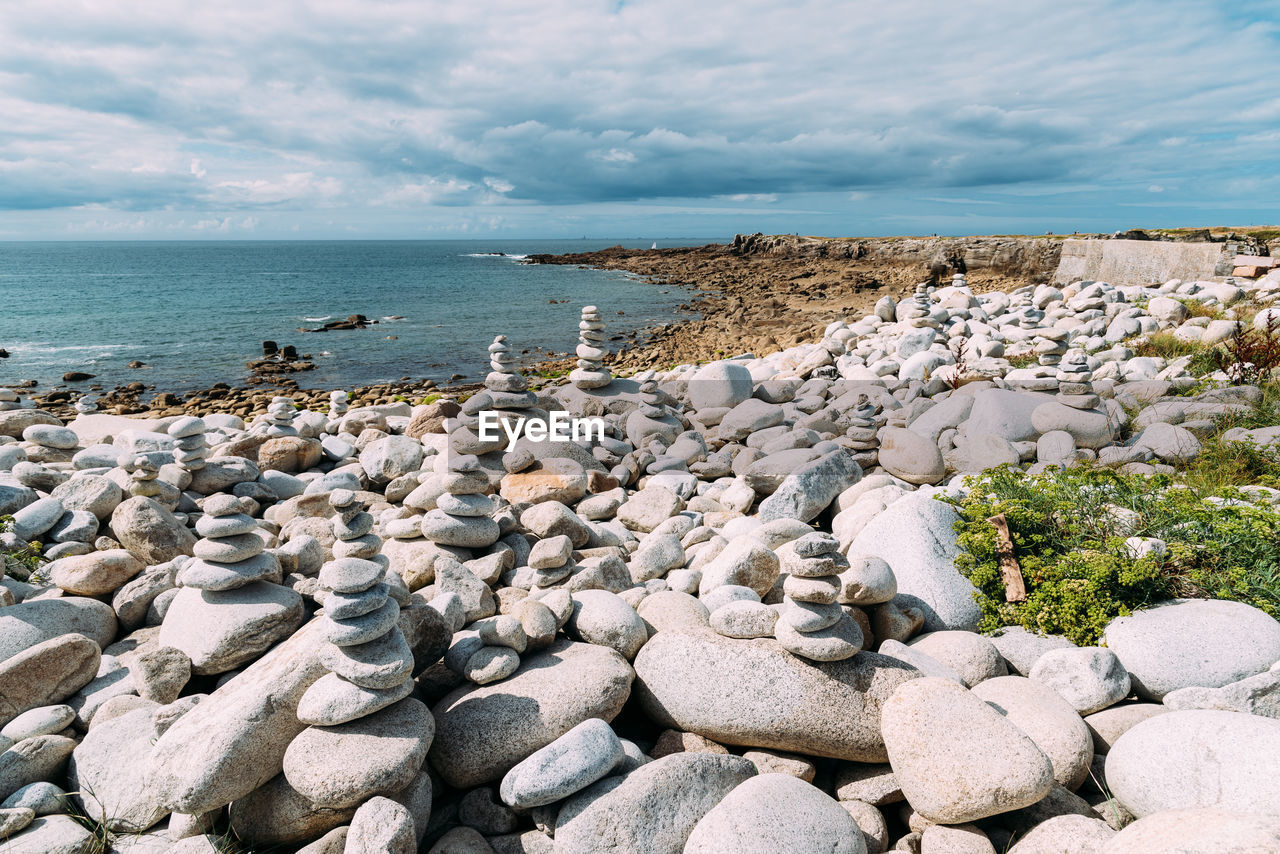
{"points": [[196, 312]]}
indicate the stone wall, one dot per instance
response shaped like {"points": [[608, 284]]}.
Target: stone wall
{"points": [[1140, 262]]}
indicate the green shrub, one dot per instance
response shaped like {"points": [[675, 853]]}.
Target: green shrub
{"points": [[19, 563], [1068, 529]]}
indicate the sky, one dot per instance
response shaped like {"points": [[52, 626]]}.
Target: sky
{"points": [[276, 119]]}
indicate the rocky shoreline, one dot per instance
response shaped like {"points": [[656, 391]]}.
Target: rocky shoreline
{"points": [[744, 621]]}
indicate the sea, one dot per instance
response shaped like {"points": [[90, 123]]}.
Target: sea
{"points": [[196, 312]]}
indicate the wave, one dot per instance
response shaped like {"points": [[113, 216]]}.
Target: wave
{"points": [[46, 347], [506, 255], [317, 319]]}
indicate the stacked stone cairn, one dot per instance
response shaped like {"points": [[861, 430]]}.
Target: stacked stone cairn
{"points": [[338, 406], [228, 554], [1075, 382], [8, 399], [144, 480], [502, 375], [353, 529], [463, 514], [862, 429], [591, 372], [86, 405], [811, 624], [280, 415], [918, 311], [191, 448], [369, 661]]}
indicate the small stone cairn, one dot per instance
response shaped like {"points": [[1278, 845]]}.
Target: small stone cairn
{"points": [[228, 554], [353, 528], [191, 449], [811, 623], [8, 399], [86, 405], [918, 311], [369, 661], [502, 374], [591, 372], [463, 514], [280, 415], [1075, 382], [144, 477], [338, 406]]}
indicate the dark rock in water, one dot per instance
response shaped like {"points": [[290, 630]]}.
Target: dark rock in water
{"points": [[269, 348], [355, 321], [4, 354], [76, 377], [135, 364], [289, 352]]}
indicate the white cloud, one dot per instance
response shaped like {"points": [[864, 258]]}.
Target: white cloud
{"points": [[236, 108]]}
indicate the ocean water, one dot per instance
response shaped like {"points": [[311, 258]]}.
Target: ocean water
{"points": [[195, 312]]}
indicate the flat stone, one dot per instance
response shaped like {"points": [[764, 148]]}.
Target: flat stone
{"points": [[46, 673], [776, 814], [744, 619], [753, 693], [355, 631], [235, 740], [42, 720], [567, 765], [33, 760], [206, 575], [351, 574], [222, 630], [1198, 831], [228, 549], [1198, 758], [333, 700], [54, 834], [95, 574], [973, 656], [834, 643], [653, 809], [28, 623], [340, 766], [110, 783], [1193, 642], [484, 731], [956, 758]]}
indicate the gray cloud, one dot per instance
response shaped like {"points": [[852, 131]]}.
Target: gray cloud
{"points": [[359, 106]]}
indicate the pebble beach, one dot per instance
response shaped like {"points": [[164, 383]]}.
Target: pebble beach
{"points": [[781, 605]]}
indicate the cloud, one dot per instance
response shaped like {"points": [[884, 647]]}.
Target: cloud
{"points": [[248, 109]]}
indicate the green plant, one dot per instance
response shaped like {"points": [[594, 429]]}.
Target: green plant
{"points": [[1069, 526], [19, 563], [1165, 345], [430, 398], [1026, 360]]}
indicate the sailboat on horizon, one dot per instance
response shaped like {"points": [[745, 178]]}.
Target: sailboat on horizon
{"points": [[655, 245]]}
